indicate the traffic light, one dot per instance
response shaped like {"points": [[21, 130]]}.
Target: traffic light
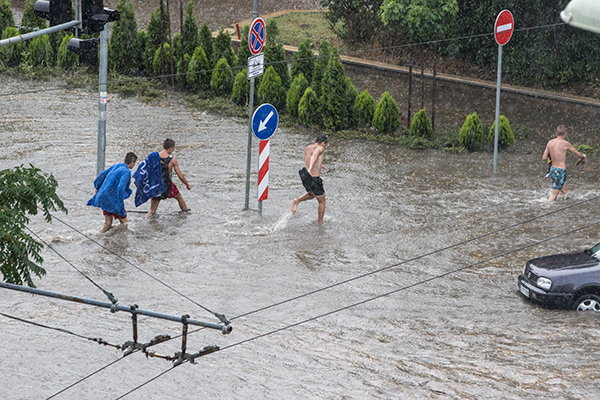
{"points": [[95, 16], [86, 48], [56, 11]]}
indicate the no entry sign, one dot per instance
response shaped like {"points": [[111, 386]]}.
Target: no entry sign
{"points": [[504, 26], [257, 36]]}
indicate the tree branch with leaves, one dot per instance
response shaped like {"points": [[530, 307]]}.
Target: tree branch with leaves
{"points": [[23, 192]]}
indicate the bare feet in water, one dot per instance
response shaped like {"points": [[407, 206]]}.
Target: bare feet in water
{"points": [[294, 206]]}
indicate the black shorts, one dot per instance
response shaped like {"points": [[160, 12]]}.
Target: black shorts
{"points": [[311, 183]]}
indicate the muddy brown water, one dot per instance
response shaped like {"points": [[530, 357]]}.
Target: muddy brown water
{"points": [[468, 335]]}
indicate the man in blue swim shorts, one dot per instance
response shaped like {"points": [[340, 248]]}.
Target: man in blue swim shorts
{"points": [[557, 150]]}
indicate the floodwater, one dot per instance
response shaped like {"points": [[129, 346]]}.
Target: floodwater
{"points": [[404, 332]]}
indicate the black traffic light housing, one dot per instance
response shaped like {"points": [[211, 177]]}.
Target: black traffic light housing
{"points": [[56, 11], [95, 16], [86, 48]]}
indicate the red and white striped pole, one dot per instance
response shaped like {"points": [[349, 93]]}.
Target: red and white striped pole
{"points": [[263, 171]]}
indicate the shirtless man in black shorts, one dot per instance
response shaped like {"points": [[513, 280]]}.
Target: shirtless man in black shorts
{"points": [[313, 161]]}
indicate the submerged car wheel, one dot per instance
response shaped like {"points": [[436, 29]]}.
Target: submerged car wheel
{"points": [[588, 302]]}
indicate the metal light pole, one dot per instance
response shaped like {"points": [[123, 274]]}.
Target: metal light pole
{"points": [[102, 95]]}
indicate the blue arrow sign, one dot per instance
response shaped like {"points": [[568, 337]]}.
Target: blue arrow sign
{"points": [[265, 121]]}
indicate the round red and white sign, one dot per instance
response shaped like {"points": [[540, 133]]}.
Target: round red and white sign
{"points": [[504, 27]]}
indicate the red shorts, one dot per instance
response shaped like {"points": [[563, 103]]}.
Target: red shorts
{"points": [[174, 192], [117, 216]]}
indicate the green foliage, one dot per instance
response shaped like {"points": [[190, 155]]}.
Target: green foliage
{"points": [[182, 72], [308, 108], [222, 49], [65, 58], [198, 76], [162, 58], [22, 191], [270, 90], [364, 108], [177, 47], [297, 89], [585, 149], [221, 81], [41, 52], [303, 60], [191, 34], [275, 55], [386, 115], [243, 50], [321, 62], [471, 133], [30, 20], [422, 20], [140, 50], [241, 88], [7, 18], [124, 40], [157, 34], [360, 18], [506, 137], [333, 100], [421, 126], [206, 41], [350, 98], [12, 55]]}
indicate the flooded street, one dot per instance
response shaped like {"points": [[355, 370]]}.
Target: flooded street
{"points": [[389, 334]]}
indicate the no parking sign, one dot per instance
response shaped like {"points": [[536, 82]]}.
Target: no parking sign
{"points": [[257, 36]]}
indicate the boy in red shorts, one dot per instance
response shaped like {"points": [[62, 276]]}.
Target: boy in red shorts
{"points": [[112, 188], [168, 164]]}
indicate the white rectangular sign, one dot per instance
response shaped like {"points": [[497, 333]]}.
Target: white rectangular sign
{"points": [[256, 65]]}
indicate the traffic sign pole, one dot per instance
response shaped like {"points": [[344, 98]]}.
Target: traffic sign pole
{"points": [[263, 173], [249, 155], [503, 30]]}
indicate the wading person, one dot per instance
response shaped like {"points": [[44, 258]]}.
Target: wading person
{"points": [[313, 163], [112, 188], [557, 150], [168, 164]]}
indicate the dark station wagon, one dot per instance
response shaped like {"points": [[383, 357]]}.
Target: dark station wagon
{"points": [[564, 281]]}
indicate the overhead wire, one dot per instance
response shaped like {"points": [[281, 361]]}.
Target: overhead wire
{"points": [[233, 68], [422, 282]]}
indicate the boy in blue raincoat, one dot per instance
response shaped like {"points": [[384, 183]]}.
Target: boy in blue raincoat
{"points": [[112, 188]]}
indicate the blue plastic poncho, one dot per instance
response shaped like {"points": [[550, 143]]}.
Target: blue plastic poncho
{"points": [[113, 188]]}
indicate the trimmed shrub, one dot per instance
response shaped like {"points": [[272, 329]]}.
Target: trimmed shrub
{"points": [[295, 93], [12, 55], [243, 50], [165, 61], [320, 65], [270, 89], [221, 81], [30, 20], [40, 51], [386, 115], [506, 137], [364, 107], [350, 98], [124, 40], [181, 76], [191, 34], [308, 108], [421, 126], [222, 49], [241, 88], [206, 41], [275, 55], [65, 58], [140, 49], [471, 134], [303, 61], [7, 18], [155, 38], [198, 76], [333, 100]]}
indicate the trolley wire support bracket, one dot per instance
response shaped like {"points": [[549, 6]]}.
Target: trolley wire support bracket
{"points": [[179, 357], [129, 346]]}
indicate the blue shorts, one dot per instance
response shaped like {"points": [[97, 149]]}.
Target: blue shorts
{"points": [[558, 176]]}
